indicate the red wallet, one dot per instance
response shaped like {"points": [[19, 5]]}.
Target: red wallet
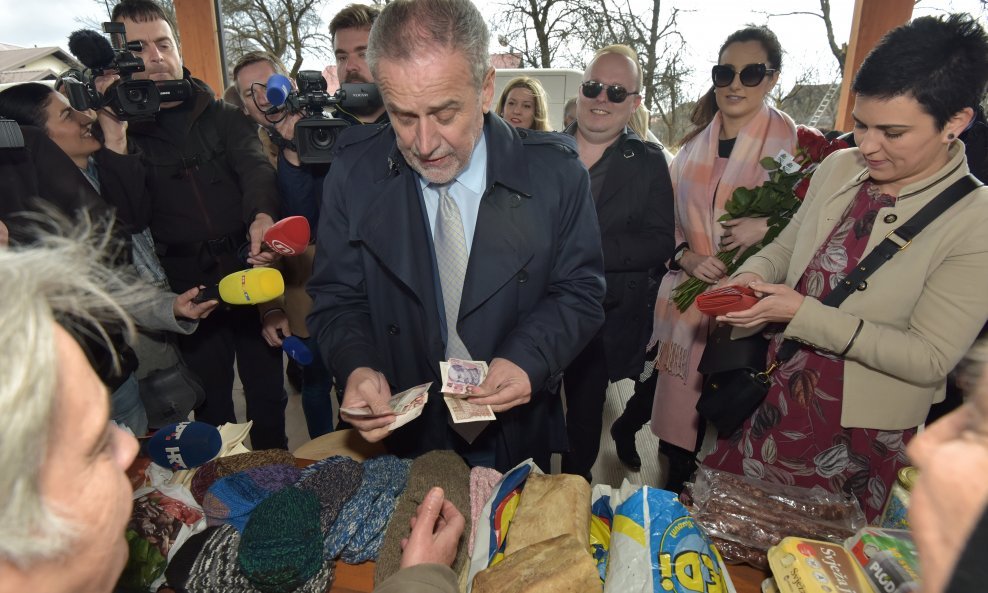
{"points": [[726, 299]]}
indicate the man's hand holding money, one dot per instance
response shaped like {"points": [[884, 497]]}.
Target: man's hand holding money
{"points": [[368, 389], [505, 387]]}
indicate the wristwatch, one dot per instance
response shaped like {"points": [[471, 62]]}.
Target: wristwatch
{"points": [[680, 252]]}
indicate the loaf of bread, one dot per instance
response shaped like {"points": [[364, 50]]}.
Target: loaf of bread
{"points": [[558, 565], [550, 506]]}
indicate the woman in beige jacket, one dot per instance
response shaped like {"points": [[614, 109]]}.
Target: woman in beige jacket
{"points": [[841, 411]]}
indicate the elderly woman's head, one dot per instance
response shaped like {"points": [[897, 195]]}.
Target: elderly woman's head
{"points": [[523, 104], [64, 497], [34, 104], [915, 93]]}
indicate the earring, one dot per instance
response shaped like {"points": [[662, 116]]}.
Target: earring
{"points": [[950, 136]]}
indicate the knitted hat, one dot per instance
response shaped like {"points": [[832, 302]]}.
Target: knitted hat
{"points": [[281, 547], [445, 469], [354, 535], [216, 570], [483, 480], [231, 499], [333, 480], [225, 466]]}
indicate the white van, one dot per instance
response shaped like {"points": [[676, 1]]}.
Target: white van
{"points": [[560, 84]]}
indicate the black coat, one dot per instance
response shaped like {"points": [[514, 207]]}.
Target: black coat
{"points": [[532, 292], [207, 178], [635, 213]]}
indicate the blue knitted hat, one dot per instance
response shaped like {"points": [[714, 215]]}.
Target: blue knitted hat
{"points": [[333, 480], [359, 529], [231, 499]]}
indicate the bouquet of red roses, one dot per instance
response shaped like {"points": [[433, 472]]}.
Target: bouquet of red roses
{"points": [[777, 199]]}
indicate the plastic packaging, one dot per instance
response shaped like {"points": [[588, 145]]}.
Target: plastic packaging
{"points": [[657, 547], [745, 517], [807, 566]]}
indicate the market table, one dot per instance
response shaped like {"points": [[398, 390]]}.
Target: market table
{"points": [[359, 578]]}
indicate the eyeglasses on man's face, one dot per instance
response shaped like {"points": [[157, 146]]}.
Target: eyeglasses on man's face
{"points": [[615, 92]]}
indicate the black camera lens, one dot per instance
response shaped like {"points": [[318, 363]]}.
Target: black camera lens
{"points": [[137, 95], [323, 138]]}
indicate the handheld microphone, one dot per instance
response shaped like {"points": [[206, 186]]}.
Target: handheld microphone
{"points": [[184, 445], [247, 287], [288, 236], [296, 349], [92, 49], [278, 89]]}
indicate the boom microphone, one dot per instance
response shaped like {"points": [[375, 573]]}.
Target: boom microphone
{"points": [[247, 287], [92, 49]]}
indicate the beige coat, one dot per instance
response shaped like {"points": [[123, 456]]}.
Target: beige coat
{"points": [[922, 310]]}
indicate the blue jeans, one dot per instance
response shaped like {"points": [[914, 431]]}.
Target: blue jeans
{"points": [[127, 409], [317, 403]]}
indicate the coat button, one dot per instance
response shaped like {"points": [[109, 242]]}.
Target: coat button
{"points": [[393, 329], [523, 134], [632, 284], [890, 218], [522, 277], [515, 200], [627, 261]]}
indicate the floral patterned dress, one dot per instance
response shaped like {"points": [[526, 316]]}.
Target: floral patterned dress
{"points": [[795, 437]]}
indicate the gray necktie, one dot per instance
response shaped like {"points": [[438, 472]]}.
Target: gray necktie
{"points": [[451, 256]]}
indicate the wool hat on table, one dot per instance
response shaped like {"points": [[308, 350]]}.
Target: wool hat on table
{"points": [[333, 480], [356, 534], [216, 569], [281, 546], [233, 498], [225, 466], [445, 469]]}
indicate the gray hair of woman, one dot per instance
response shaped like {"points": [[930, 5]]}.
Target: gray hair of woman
{"points": [[58, 279], [407, 27]]}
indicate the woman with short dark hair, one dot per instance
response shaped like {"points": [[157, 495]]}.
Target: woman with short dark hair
{"points": [[840, 412]]}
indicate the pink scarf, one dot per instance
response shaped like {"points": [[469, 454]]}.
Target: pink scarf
{"points": [[696, 176]]}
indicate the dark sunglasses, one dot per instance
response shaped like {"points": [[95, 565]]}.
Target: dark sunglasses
{"points": [[615, 92], [751, 75]]}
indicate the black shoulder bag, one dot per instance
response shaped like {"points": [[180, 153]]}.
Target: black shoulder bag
{"points": [[734, 384]]}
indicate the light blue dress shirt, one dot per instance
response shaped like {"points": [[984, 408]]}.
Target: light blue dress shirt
{"points": [[466, 190]]}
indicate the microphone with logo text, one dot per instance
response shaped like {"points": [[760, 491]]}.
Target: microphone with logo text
{"points": [[184, 445], [246, 287], [289, 236], [296, 349]]}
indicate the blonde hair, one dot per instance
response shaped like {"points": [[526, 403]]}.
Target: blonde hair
{"points": [[639, 122], [541, 118], [58, 279]]}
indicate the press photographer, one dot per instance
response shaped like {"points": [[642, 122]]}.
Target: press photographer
{"points": [[126, 97], [210, 187]]}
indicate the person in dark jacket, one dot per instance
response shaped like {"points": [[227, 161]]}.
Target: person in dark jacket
{"points": [[516, 209], [212, 190], [630, 183]]}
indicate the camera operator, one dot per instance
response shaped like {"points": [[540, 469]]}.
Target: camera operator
{"points": [[300, 194], [350, 29], [211, 188]]}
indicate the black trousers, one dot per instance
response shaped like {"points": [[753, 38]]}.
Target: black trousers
{"points": [[585, 382], [235, 334]]}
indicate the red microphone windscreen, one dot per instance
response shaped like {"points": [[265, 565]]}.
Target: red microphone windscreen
{"points": [[288, 236]]}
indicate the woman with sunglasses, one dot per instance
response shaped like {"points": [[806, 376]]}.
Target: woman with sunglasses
{"points": [[523, 104], [841, 410], [735, 128]]}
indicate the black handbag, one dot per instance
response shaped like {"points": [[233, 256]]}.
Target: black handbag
{"points": [[736, 378]]}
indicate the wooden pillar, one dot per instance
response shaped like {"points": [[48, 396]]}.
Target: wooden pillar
{"points": [[872, 20], [199, 29]]}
